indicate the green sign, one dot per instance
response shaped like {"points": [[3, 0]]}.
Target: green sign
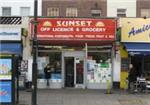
{"points": [[104, 65]]}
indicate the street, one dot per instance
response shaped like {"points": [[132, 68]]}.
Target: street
{"points": [[84, 97]]}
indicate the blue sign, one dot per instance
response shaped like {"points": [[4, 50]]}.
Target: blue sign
{"points": [[9, 33], [5, 92], [55, 76]]}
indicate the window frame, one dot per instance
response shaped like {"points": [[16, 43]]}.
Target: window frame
{"points": [[96, 14], [122, 12], [148, 11], [72, 9], [8, 14], [28, 11], [53, 11]]}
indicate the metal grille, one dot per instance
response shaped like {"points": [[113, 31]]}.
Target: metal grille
{"points": [[10, 20]]}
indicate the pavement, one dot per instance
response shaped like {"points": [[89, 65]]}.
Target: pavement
{"points": [[84, 97]]}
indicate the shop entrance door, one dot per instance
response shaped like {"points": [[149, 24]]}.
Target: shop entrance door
{"points": [[69, 71], [73, 69]]}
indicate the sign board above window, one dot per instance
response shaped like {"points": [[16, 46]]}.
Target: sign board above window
{"points": [[73, 29], [10, 33], [135, 30]]}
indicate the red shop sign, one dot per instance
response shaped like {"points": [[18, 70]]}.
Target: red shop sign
{"points": [[85, 29]]}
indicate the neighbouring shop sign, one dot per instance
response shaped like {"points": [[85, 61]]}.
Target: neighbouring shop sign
{"points": [[5, 69], [5, 91], [76, 29], [10, 33], [135, 30]]}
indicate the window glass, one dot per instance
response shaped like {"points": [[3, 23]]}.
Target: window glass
{"points": [[121, 12], [52, 11], [6, 11], [25, 11], [71, 12], [145, 12], [96, 12]]}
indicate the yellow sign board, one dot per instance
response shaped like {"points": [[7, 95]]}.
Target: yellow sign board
{"points": [[135, 29]]}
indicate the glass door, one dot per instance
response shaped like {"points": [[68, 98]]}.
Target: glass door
{"points": [[79, 71], [69, 71]]}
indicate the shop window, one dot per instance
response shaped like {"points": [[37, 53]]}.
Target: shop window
{"points": [[99, 67], [121, 12], [71, 12], [6, 11], [54, 60], [145, 12], [147, 66], [53, 11], [142, 65], [99, 56]]}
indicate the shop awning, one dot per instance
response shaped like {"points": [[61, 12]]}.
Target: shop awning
{"points": [[138, 48], [11, 48]]}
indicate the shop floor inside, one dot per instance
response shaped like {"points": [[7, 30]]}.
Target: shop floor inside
{"points": [[84, 97]]}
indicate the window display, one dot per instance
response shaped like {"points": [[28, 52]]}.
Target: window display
{"points": [[5, 69], [99, 70], [54, 61], [42, 61]]}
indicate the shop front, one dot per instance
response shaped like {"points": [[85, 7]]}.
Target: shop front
{"points": [[136, 40], [10, 53], [79, 50]]}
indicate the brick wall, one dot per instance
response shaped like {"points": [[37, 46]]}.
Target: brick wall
{"points": [[83, 6]]}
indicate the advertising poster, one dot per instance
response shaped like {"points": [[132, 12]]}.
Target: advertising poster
{"points": [[24, 66], [98, 72], [5, 69], [5, 92]]}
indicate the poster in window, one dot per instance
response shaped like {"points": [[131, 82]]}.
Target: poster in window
{"points": [[125, 64], [5, 69], [5, 92], [24, 65]]}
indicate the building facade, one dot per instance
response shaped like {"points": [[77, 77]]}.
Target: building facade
{"points": [[74, 8], [83, 9], [118, 9], [137, 45], [143, 9], [121, 8], [75, 51], [79, 52], [19, 7]]}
